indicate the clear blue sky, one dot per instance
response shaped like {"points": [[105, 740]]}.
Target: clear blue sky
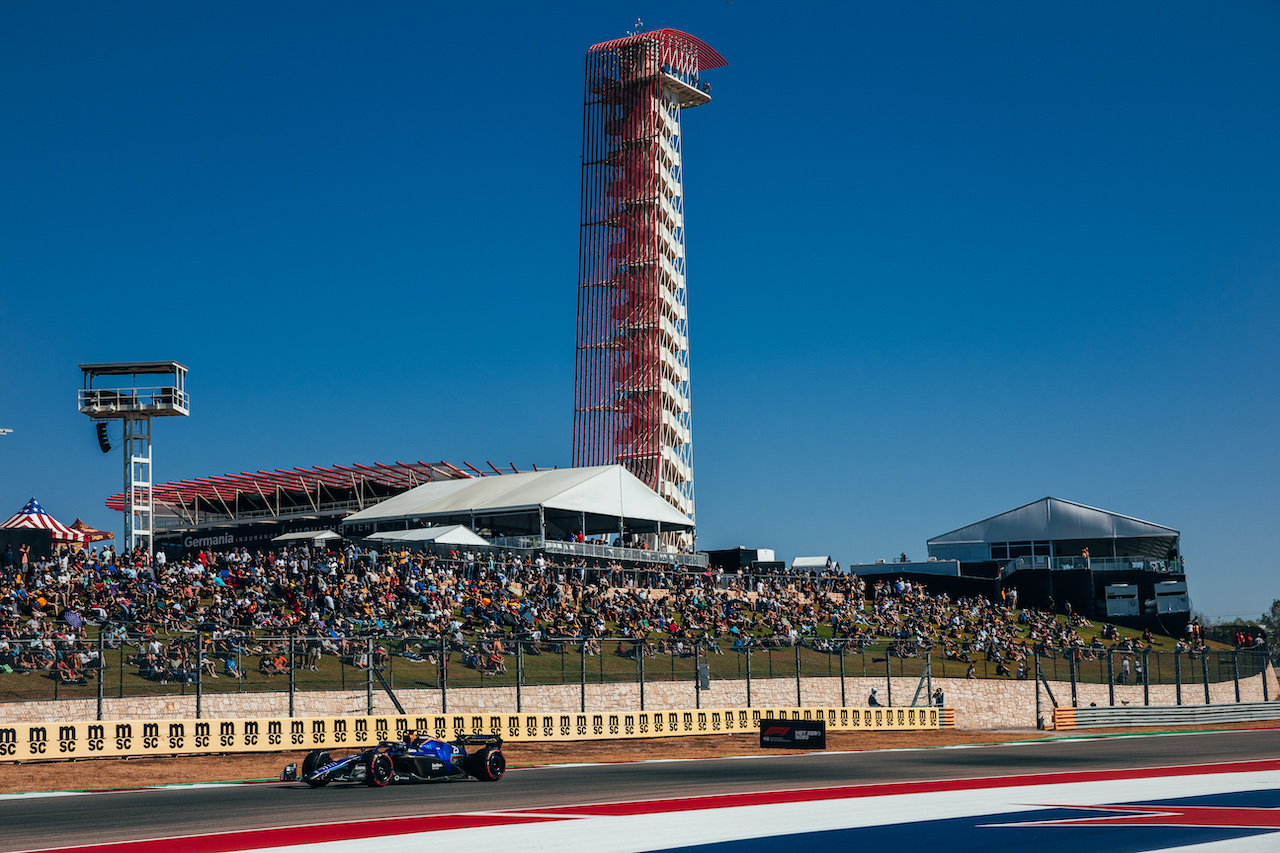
{"points": [[945, 258]]}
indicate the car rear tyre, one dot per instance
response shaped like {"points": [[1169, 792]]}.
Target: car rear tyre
{"points": [[314, 761], [378, 770], [489, 766]]}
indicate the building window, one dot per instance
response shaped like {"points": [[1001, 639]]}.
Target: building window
{"points": [[1019, 549]]}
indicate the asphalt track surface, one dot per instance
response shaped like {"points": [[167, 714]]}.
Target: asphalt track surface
{"points": [[118, 816]]}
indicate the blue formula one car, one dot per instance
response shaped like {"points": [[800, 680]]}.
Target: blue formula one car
{"points": [[414, 759]]}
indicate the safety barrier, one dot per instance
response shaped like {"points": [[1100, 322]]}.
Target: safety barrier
{"points": [[43, 741], [1163, 715]]}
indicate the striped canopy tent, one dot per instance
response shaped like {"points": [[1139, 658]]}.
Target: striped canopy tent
{"points": [[33, 517], [94, 534]]}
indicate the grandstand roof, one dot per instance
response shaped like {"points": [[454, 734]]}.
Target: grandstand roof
{"points": [[1054, 518], [263, 491]]}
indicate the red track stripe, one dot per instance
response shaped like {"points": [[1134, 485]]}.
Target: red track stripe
{"points": [[256, 839], [881, 790], [250, 840]]}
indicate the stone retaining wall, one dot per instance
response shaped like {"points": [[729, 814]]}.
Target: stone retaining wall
{"points": [[978, 703]]}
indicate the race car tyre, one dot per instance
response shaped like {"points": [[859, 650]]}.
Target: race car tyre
{"points": [[489, 765], [378, 770], [314, 761]]}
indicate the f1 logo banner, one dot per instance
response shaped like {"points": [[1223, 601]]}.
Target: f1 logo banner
{"points": [[793, 734]]}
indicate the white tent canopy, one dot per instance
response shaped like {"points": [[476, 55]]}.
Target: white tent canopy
{"points": [[554, 503], [308, 535], [812, 563], [452, 534]]}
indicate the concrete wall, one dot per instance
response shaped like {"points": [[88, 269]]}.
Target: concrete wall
{"points": [[978, 703]]}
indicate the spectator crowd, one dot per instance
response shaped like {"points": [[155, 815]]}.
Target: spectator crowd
{"points": [[206, 612]]}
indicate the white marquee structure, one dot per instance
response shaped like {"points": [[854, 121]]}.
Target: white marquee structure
{"points": [[555, 504]]}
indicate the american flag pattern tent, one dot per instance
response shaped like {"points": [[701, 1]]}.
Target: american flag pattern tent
{"points": [[32, 516]]}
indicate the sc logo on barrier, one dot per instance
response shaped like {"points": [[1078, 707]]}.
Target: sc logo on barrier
{"points": [[37, 740]]}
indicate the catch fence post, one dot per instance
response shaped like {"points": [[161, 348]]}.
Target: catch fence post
{"points": [[1204, 669], [102, 666], [1235, 671], [888, 678], [1146, 677], [199, 672], [799, 704], [439, 672], [697, 683], [519, 672], [1177, 675], [928, 673], [1035, 673], [843, 703], [1071, 665], [640, 656], [582, 650], [1111, 679], [368, 676], [292, 683], [444, 673]]}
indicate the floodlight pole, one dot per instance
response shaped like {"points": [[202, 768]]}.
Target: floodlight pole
{"points": [[139, 497], [135, 406]]}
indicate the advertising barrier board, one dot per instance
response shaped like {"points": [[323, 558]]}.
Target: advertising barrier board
{"points": [[793, 734], [44, 741]]}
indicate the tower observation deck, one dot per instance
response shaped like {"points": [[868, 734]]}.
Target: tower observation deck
{"points": [[125, 400], [631, 395]]}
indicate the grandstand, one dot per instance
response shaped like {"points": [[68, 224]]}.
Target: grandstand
{"points": [[251, 508], [551, 510]]}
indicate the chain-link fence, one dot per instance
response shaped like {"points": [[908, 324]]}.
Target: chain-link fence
{"points": [[126, 667]]}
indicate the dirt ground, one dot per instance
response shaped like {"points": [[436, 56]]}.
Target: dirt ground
{"points": [[140, 772]]}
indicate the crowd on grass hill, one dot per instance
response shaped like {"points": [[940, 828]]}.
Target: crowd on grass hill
{"points": [[479, 606]]}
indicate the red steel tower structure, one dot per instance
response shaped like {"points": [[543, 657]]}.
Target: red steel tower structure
{"points": [[631, 397]]}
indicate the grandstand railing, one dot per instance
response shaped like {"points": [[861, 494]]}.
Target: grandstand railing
{"points": [[609, 552], [1094, 564], [416, 662]]}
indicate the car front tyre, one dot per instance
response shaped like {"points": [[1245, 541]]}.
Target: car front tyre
{"points": [[314, 761]]}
